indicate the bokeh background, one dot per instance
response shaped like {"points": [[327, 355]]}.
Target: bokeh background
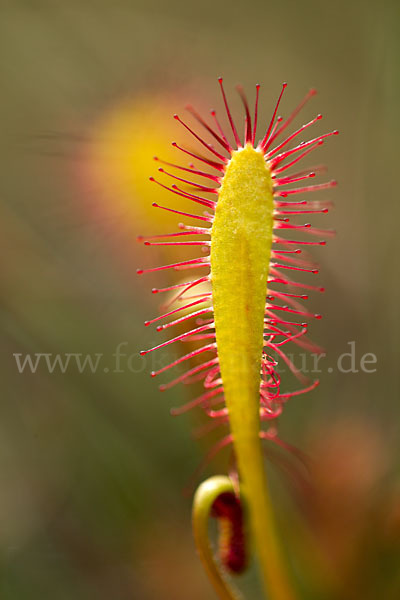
{"points": [[92, 467]]}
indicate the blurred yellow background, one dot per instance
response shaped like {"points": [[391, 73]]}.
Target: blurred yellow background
{"points": [[92, 467]]}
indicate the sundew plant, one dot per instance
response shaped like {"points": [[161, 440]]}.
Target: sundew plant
{"points": [[242, 309]]}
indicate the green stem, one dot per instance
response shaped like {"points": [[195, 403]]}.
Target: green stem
{"points": [[254, 486]]}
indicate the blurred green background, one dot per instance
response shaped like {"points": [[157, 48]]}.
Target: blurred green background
{"points": [[92, 467]]}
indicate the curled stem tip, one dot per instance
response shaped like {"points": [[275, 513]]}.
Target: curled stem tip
{"points": [[204, 500]]}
